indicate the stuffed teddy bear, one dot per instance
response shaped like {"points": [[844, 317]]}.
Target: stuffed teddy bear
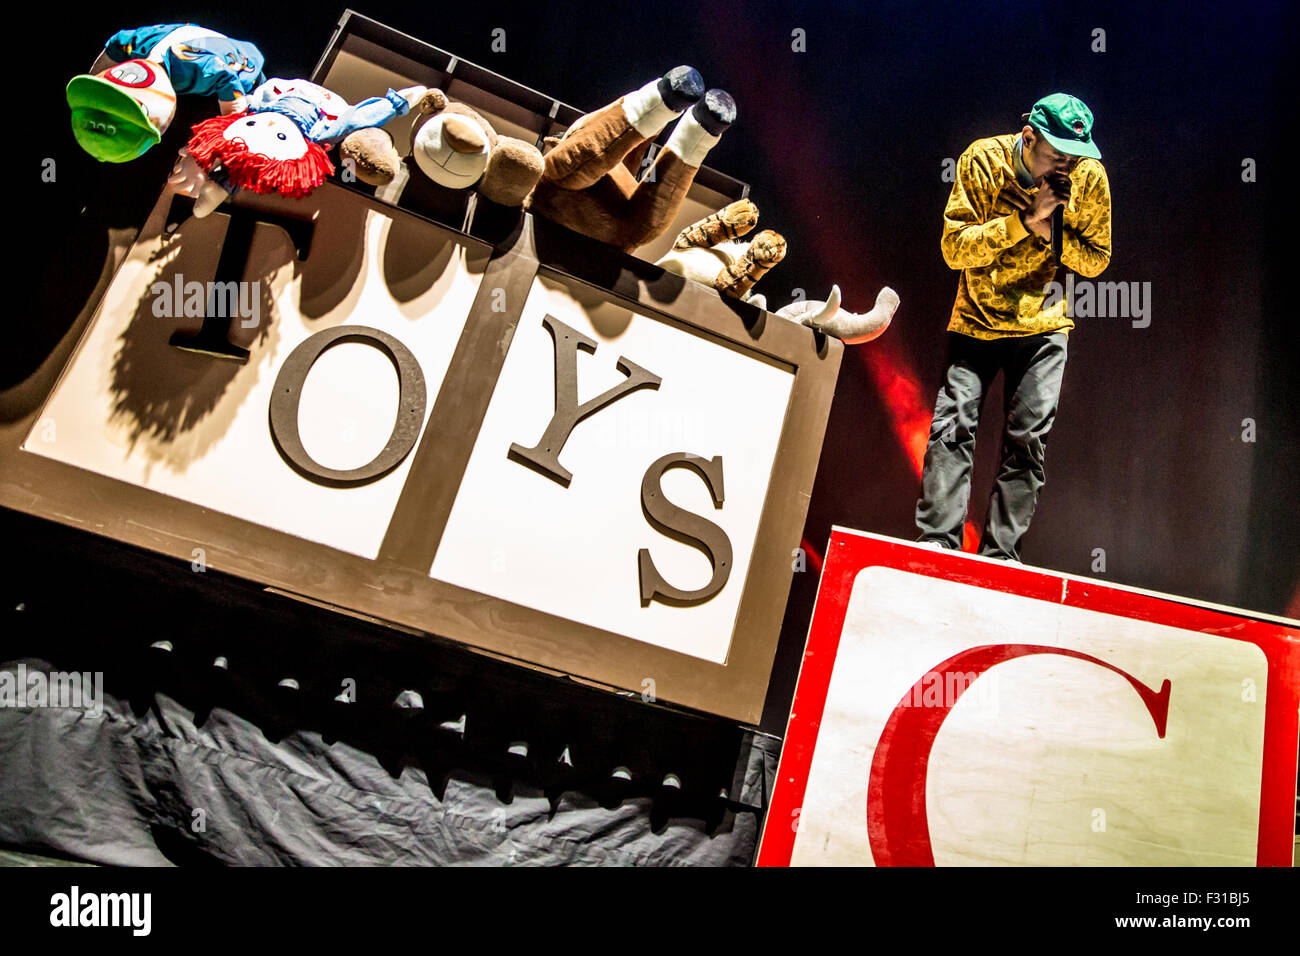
{"points": [[122, 111], [710, 251], [590, 183], [453, 146], [278, 142]]}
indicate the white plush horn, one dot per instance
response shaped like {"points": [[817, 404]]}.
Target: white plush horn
{"points": [[826, 312], [859, 329]]}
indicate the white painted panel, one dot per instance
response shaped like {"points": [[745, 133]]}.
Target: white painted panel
{"points": [[1038, 745], [518, 535], [196, 428]]}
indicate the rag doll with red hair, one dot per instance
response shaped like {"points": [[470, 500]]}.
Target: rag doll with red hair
{"points": [[278, 142]]}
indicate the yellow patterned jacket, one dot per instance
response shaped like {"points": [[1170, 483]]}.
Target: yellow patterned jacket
{"points": [[1005, 269]]}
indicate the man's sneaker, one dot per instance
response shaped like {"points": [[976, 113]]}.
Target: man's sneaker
{"points": [[1002, 557]]}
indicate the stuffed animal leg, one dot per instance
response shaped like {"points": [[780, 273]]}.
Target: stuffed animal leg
{"points": [[599, 141], [587, 184], [729, 223], [767, 249], [709, 251]]}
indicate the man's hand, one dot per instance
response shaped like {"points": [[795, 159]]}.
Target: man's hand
{"points": [[1036, 210]]}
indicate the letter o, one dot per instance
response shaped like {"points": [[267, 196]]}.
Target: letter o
{"points": [[287, 393]]}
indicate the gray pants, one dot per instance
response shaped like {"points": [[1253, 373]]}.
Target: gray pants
{"points": [[1033, 366]]}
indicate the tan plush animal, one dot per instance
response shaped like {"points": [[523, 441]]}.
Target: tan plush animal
{"points": [[454, 146], [710, 251]]}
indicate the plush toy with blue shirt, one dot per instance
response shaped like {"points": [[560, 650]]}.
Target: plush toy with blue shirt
{"points": [[121, 111], [278, 142], [272, 135]]}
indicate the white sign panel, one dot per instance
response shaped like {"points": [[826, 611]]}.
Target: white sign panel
{"points": [[194, 427], [522, 536], [1045, 758]]}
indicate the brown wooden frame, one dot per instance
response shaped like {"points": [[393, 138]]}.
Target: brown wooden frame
{"points": [[396, 587]]}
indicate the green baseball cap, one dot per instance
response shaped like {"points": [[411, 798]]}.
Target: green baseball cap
{"points": [[119, 114], [1066, 123]]}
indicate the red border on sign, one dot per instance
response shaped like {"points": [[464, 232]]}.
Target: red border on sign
{"points": [[848, 553]]}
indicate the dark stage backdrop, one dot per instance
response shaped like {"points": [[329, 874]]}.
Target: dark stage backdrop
{"points": [[844, 144]]}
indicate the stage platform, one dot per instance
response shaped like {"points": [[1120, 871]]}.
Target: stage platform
{"points": [[957, 710]]}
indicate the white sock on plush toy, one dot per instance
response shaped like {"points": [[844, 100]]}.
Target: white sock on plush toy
{"points": [[691, 141], [646, 110], [699, 130]]}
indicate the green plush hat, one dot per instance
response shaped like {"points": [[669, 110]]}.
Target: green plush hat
{"points": [[1066, 123], [119, 114]]}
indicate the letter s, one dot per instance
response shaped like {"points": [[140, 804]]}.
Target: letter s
{"points": [[685, 526]]}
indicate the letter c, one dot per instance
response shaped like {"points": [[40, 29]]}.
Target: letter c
{"points": [[897, 826]]}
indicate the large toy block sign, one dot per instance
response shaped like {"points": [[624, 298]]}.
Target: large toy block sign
{"points": [[580, 462], [954, 710]]}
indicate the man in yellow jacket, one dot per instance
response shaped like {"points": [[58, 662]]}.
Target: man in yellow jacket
{"points": [[998, 231]]}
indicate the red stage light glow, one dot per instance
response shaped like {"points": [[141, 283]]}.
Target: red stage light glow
{"points": [[792, 135], [814, 558]]}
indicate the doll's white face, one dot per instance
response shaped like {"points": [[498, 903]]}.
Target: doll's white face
{"points": [[443, 164], [269, 134]]}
